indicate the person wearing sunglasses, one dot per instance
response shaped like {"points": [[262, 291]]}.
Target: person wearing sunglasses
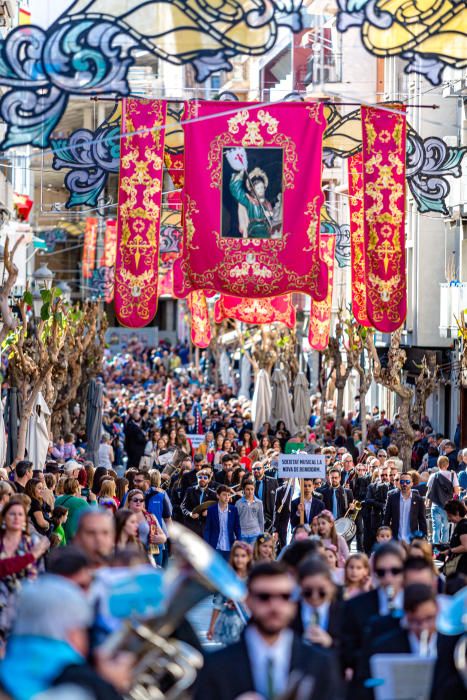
{"points": [[265, 490], [319, 616], [150, 532], [405, 510], [268, 651], [388, 562], [195, 496]]}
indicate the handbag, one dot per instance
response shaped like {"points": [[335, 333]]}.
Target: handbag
{"points": [[450, 566]]}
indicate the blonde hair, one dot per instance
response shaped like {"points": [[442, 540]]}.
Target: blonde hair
{"points": [[59, 489], [155, 476], [108, 488]]}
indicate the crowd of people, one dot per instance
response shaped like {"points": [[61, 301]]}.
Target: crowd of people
{"points": [[320, 603]]}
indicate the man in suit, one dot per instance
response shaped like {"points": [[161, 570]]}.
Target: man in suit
{"points": [[194, 496], [268, 651], [319, 615], [265, 490], [135, 440], [282, 505], [337, 499], [387, 597], [312, 505], [405, 510], [222, 523]]}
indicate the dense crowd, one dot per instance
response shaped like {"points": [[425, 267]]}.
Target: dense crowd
{"points": [[360, 566]]}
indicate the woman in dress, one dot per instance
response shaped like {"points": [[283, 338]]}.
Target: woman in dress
{"points": [[328, 534], [15, 541], [228, 619], [149, 530]]}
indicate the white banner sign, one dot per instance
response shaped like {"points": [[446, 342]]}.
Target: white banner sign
{"points": [[302, 466], [196, 440]]}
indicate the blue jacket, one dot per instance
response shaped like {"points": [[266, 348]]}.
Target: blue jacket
{"points": [[212, 527]]}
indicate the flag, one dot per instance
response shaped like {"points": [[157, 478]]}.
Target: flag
{"points": [[252, 199]]}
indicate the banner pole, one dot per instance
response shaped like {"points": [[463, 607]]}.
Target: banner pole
{"points": [[302, 501]]}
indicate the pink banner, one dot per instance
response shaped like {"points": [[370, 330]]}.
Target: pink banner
{"points": [[320, 314], [356, 239], [384, 152], [139, 206], [267, 310], [89, 247], [108, 258], [252, 200], [200, 324]]}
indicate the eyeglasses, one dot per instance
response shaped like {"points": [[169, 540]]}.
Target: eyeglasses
{"points": [[265, 597], [308, 593], [257, 469], [393, 570], [137, 500], [404, 481]]}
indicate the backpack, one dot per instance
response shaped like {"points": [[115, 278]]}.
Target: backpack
{"points": [[441, 490]]}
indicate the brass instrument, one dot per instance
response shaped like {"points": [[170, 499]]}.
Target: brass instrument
{"points": [[353, 512], [166, 667]]}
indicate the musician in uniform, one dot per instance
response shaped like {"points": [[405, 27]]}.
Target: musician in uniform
{"points": [[337, 499], [282, 505], [313, 505], [265, 490], [195, 496]]}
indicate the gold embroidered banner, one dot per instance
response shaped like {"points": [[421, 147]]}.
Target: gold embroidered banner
{"points": [[89, 247], [320, 313], [384, 152], [356, 239], [139, 206], [267, 310], [200, 324]]}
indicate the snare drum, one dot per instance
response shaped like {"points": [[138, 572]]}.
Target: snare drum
{"points": [[346, 527]]}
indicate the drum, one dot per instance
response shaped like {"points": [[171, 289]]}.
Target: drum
{"points": [[346, 527]]}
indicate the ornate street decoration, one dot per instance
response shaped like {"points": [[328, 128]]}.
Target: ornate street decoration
{"points": [[90, 49], [428, 35]]}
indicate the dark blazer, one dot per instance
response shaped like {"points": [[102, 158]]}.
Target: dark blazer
{"points": [[344, 497], [356, 615], [417, 513], [334, 627], [270, 486], [190, 501], [212, 527], [317, 506], [394, 642], [284, 515], [447, 681], [227, 673]]}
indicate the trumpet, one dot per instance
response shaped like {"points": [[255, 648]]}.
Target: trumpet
{"points": [[166, 667], [353, 512]]}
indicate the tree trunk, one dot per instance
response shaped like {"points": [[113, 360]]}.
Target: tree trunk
{"points": [[407, 436], [340, 403]]}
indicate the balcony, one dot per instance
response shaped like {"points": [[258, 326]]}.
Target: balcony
{"points": [[453, 301]]}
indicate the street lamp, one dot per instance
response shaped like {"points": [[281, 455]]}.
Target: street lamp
{"points": [[37, 303], [43, 277], [65, 289]]}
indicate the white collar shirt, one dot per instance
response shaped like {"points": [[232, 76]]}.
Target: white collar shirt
{"points": [[260, 653]]}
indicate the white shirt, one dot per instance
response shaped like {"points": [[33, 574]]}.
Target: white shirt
{"points": [[223, 543], [322, 613], [260, 652], [397, 602], [404, 518], [415, 645], [307, 509]]}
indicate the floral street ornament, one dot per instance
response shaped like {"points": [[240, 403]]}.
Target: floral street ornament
{"points": [[90, 48], [428, 34], [139, 212]]}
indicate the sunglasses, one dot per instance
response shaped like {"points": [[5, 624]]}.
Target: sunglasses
{"points": [[265, 597], [404, 481], [308, 593], [137, 500], [257, 469], [393, 570]]}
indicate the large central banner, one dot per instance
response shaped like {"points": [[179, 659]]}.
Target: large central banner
{"points": [[252, 200]]}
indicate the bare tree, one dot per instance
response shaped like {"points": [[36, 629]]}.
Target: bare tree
{"points": [[8, 320], [425, 384], [359, 357]]}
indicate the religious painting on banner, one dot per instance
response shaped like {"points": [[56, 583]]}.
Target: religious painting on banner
{"points": [[139, 211], [256, 311], [89, 247], [252, 199], [200, 323], [355, 172], [384, 151], [320, 312]]}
